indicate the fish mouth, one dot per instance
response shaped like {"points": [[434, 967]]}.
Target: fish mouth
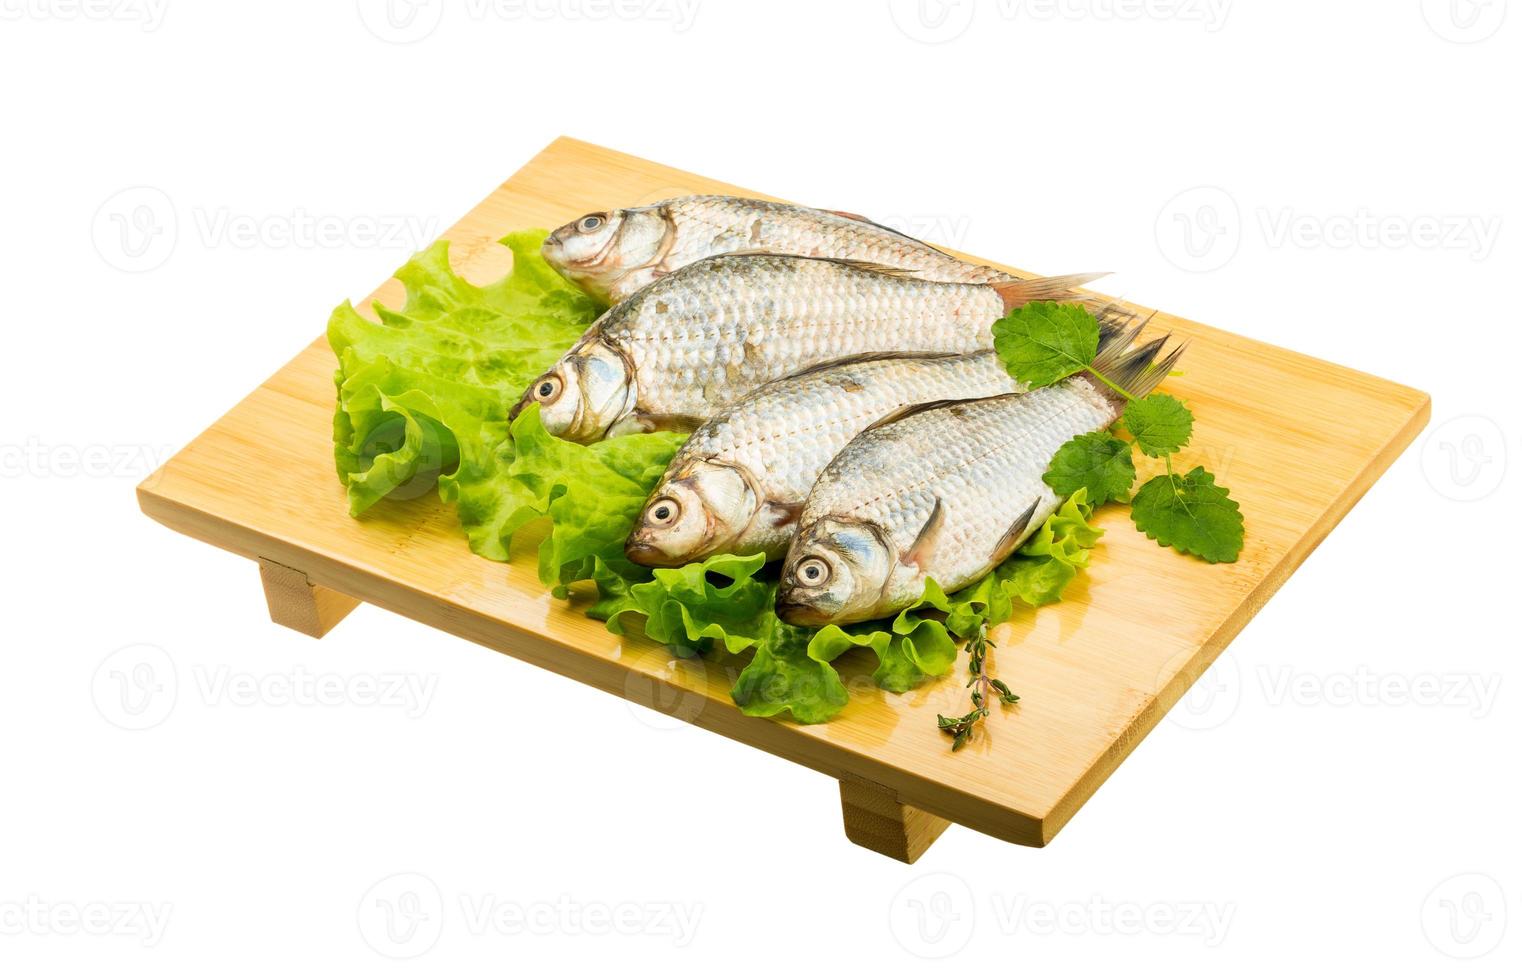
{"points": [[800, 614], [647, 554]]}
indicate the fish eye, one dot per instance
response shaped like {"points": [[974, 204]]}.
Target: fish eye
{"points": [[591, 222], [812, 571], [548, 388], [663, 512]]}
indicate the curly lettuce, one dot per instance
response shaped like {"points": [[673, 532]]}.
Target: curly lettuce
{"points": [[424, 394], [790, 669]]}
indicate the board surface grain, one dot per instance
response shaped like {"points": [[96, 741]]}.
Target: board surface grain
{"points": [[1094, 672]]}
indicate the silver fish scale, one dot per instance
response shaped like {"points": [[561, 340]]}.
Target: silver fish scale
{"points": [[983, 460], [785, 433], [714, 224], [708, 334]]}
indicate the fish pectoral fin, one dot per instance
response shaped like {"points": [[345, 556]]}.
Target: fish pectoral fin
{"points": [[1016, 533], [905, 411], [651, 422], [924, 543], [783, 514]]}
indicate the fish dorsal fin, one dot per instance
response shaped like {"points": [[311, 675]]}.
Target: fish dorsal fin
{"points": [[889, 355], [877, 268], [908, 411], [1016, 533], [924, 543], [863, 219], [859, 265]]}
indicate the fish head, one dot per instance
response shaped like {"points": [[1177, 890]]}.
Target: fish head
{"points": [[697, 511], [835, 572], [598, 249], [584, 394]]}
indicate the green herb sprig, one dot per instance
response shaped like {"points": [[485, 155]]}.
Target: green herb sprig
{"points": [[1043, 343], [985, 690]]}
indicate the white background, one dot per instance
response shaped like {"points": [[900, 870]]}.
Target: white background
{"points": [[1307, 808]]}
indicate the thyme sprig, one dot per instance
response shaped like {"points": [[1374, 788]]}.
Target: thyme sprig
{"points": [[985, 690]]}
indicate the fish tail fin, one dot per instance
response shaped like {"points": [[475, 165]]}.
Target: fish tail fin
{"points": [[1016, 293], [1118, 326], [1136, 369]]}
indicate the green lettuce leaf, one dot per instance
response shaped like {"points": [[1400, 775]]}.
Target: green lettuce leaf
{"points": [[782, 676], [424, 391], [790, 668], [423, 399], [688, 604], [591, 494]]}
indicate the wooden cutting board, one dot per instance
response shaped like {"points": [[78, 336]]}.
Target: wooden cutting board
{"points": [[1094, 672]]}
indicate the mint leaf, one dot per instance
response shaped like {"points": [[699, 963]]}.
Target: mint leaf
{"points": [[1096, 462], [1160, 424], [1042, 343], [1190, 514]]}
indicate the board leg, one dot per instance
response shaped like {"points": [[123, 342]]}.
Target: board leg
{"points": [[876, 819], [295, 602]]}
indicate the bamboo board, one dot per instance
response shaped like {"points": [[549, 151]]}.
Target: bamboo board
{"points": [[260, 482]]}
